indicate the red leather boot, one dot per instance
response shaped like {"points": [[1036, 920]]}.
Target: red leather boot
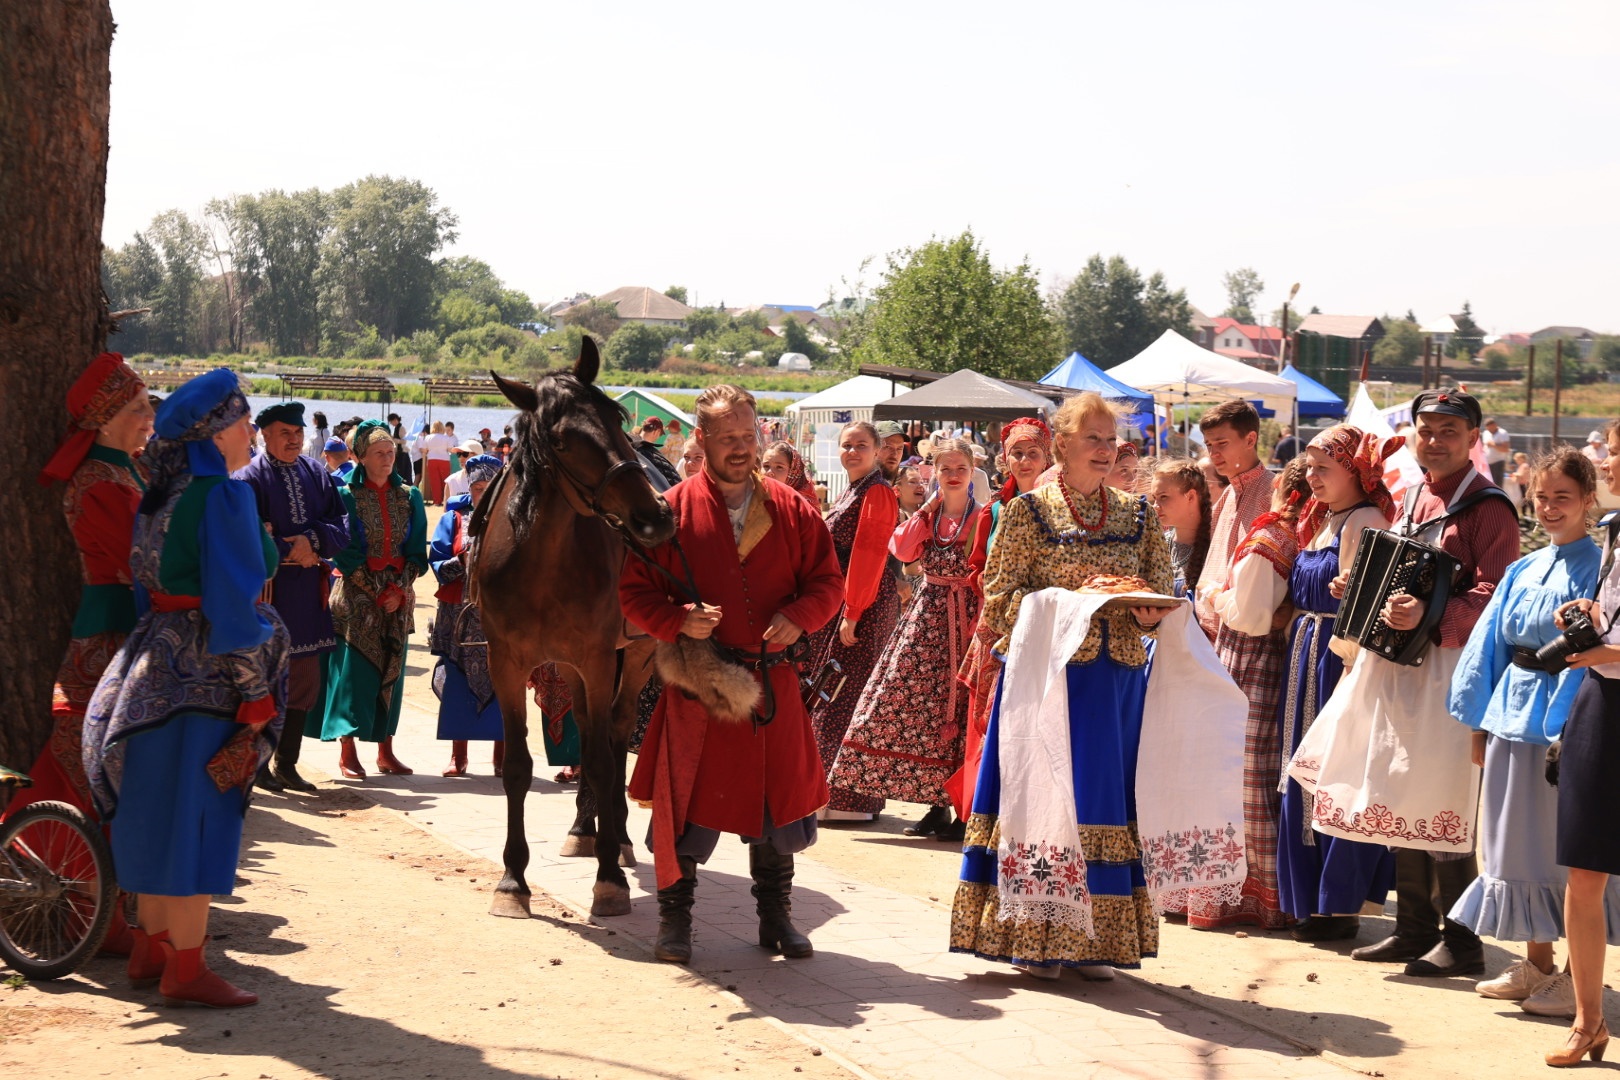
{"points": [[187, 980], [387, 762], [458, 758], [120, 939], [146, 959], [348, 760], [500, 757]]}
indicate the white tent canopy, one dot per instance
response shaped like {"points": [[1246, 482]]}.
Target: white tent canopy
{"points": [[861, 392], [1177, 372], [817, 418]]}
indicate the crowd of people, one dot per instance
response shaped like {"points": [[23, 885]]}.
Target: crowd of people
{"points": [[1039, 641]]}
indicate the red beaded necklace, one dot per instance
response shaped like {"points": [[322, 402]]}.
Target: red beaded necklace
{"points": [[1074, 511]]}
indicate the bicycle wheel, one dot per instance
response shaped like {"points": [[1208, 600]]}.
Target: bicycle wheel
{"points": [[57, 889]]}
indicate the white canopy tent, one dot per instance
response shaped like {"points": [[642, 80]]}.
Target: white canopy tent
{"points": [[1177, 372], [817, 418]]}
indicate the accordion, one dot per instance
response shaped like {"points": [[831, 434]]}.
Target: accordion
{"points": [[1388, 564]]}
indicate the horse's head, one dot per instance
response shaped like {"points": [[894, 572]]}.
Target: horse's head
{"points": [[569, 426]]}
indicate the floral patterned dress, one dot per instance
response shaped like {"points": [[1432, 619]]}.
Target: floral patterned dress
{"points": [[906, 737]]}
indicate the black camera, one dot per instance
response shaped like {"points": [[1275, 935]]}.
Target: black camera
{"points": [[1578, 636]]}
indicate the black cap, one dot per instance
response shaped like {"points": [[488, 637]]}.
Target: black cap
{"points": [[1448, 403], [285, 412]]}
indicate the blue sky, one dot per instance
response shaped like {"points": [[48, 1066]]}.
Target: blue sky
{"points": [[1385, 155]]}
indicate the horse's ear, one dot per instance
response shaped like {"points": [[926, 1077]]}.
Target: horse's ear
{"points": [[520, 394], [589, 362]]}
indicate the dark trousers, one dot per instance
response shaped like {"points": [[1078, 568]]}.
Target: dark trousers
{"points": [[1425, 890]]}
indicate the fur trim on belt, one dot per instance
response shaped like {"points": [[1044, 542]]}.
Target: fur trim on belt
{"points": [[727, 690]]}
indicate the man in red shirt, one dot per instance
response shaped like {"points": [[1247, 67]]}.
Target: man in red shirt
{"points": [[764, 574], [1484, 538]]}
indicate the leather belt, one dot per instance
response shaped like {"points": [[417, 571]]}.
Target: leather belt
{"points": [[762, 660], [1526, 658]]}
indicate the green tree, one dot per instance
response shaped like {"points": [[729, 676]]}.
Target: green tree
{"points": [[1401, 344], [676, 293], [1469, 338], [132, 277], [706, 322], [278, 239], [378, 259], [1109, 314], [1243, 288], [474, 278], [597, 317], [637, 347], [796, 338], [943, 306]]}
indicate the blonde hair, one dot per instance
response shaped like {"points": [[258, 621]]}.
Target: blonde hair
{"points": [[953, 446], [438, 427], [1076, 413], [721, 398]]}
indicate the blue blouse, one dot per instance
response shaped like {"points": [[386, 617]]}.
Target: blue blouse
{"points": [[1488, 693]]}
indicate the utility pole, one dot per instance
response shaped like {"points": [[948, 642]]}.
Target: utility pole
{"points": [[1529, 380], [1558, 384], [1428, 346]]}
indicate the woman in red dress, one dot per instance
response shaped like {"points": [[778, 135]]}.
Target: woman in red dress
{"points": [[111, 421], [1026, 452]]}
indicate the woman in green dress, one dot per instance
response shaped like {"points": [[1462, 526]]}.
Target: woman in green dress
{"points": [[373, 606]]}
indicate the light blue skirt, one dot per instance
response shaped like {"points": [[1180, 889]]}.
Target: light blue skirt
{"points": [[1519, 894]]}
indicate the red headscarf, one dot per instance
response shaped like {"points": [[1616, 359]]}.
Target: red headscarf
{"points": [[1025, 427], [106, 386], [1364, 456]]}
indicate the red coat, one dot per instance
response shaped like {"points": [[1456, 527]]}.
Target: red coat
{"points": [[722, 775]]}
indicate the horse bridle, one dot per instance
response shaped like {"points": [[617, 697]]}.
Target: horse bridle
{"points": [[592, 497]]}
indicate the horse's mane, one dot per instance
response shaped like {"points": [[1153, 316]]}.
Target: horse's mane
{"points": [[532, 458]]}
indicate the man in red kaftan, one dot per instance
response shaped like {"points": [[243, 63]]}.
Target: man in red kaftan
{"points": [[763, 566]]}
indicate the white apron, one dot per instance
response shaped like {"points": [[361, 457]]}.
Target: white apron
{"points": [[1387, 763]]}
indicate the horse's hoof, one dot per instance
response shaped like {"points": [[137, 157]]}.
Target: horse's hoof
{"points": [[510, 905], [627, 854], [608, 899], [578, 847]]}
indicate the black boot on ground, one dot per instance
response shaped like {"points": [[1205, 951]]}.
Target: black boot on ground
{"points": [[937, 818], [1328, 928], [1460, 952], [291, 745], [1416, 919], [675, 916], [773, 882]]}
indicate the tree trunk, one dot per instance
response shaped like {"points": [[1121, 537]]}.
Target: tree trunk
{"points": [[54, 94]]}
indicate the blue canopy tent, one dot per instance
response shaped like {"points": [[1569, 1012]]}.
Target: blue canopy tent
{"points": [[1315, 400], [1078, 373]]}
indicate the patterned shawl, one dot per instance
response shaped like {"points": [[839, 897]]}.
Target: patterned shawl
{"points": [[1364, 455]]}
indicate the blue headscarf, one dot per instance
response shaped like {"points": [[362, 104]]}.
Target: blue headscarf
{"points": [[481, 468], [186, 424]]}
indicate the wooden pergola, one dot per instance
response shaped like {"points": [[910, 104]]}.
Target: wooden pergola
{"points": [[294, 385], [445, 386]]}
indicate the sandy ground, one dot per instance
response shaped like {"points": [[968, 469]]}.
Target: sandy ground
{"points": [[338, 922], [327, 884]]}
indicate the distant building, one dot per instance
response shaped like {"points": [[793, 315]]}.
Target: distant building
{"points": [[1330, 348], [1247, 342], [1203, 328], [794, 361], [1583, 338], [637, 303]]}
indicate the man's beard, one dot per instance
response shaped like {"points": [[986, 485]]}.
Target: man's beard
{"points": [[891, 473], [728, 473]]}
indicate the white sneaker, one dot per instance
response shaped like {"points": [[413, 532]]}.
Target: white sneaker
{"points": [[1519, 981], [1039, 971], [1556, 997], [1096, 972]]}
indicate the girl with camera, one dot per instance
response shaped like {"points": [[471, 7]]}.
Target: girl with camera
{"points": [[1513, 687], [1588, 799]]}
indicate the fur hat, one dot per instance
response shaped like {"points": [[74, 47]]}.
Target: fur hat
{"points": [[727, 690]]}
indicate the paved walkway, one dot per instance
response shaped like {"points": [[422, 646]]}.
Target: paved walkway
{"points": [[881, 992]]}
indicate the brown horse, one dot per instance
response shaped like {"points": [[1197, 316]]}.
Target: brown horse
{"points": [[546, 575]]}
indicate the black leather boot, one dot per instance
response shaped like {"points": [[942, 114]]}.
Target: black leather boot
{"points": [[287, 750], [773, 881], [1460, 951], [1416, 919], [675, 916], [1328, 928], [937, 818]]}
